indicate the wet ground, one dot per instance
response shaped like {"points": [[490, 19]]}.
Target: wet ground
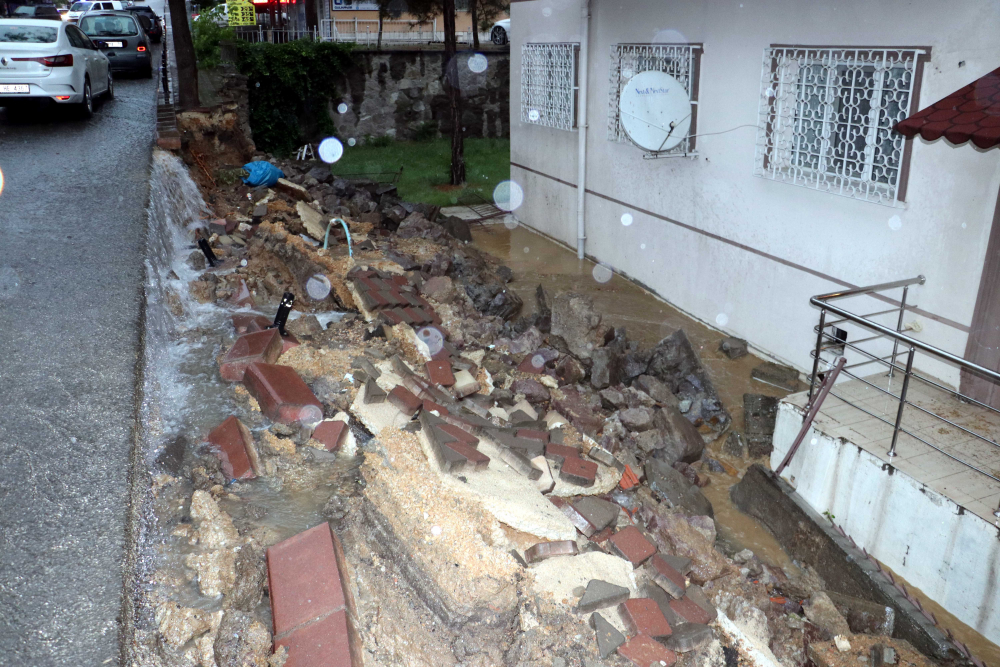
{"points": [[72, 230]]}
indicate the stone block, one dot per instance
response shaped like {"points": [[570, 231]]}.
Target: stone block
{"points": [[546, 550], [282, 395], [331, 432], [578, 471], [608, 638], [642, 616], [293, 190], [864, 617], [235, 448], [599, 514], [733, 347], [303, 579], [785, 377], [600, 595], [440, 373], [262, 346], [644, 651], [675, 489], [759, 415], [690, 611], [632, 545], [404, 400]]}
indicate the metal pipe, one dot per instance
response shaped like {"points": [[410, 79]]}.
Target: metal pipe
{"points": [[581, 114], [811, 411], [899, 327], [843, 294], [819, 346], [902, 403]]}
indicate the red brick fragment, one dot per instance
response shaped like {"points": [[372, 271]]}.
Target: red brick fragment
{"points": [[690, 611], [440, 373], [404, 400], [456, 432], [282, 395], [642, 616], [578, 471], [303, 579], [324, 642], [476, 459], [235, 448], [261, 346], [645, 651], [559, 453], [331, 432], [603, 536], [632, 545]]}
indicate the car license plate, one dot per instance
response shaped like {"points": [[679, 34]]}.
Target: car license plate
{"points": [[115, 45], [14, 88]]}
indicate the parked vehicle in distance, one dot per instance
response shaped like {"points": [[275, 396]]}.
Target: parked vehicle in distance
{"points": [[78, 9], [44, 60], [120, 36], [500, 33], [155, 30], [37, 12]]}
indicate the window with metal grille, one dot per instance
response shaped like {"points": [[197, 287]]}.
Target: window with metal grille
{"points": [[826, 115], [548, 84], [680, 61]]}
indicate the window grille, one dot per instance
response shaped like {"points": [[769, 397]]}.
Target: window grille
{"points": [[548, 85], [826, 115], [678, 60]]}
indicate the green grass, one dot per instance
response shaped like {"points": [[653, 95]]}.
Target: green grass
{"points": [[426, 167]]}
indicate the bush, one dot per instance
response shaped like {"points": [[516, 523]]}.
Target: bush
{"points": [[291, 88], [378, 142], [426, 131], [206, 34]]}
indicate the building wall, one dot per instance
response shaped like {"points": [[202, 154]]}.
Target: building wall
{"points": [[742, 253]]}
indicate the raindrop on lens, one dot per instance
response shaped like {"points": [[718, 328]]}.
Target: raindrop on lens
{"points": [[547, 12], [318, 287], [478, 63], [964, 225], [538, 361], [432, 339], [510, 221], [814, 441], [527, 249], [258, 84], [533, 115], [330, 150], [341, 108], [895, 223], [642, 246], [508, 195], [722, 319], [602, 273], [352, 141], [627, 219]]}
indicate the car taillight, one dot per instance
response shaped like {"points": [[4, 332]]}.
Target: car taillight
{"points": [[50, 61], [141, 48]]}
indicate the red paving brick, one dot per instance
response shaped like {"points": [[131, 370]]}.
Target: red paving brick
{"points": [[261, 346], [532, 434], [320, 644], [456, 432], [440, 373], [559, 453], [303, 579], [476, 459], [331, 433], [282, 395], [644, 651], [663, 567], [235, 448], [632, 545], [690, 611], [578, 471], [642, 616], [431, 406], [404, 400]]}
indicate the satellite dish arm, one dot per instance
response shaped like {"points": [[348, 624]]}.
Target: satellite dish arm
{"points": [[673, 126]]}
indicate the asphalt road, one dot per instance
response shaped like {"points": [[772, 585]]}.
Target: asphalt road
{"points": [[72, 244]]}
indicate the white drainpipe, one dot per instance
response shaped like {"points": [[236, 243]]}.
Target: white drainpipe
{"points": [[581, 178]]}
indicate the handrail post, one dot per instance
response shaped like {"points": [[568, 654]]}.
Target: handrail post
{"points": [[902, 402], [899, 327], [819, 346]]}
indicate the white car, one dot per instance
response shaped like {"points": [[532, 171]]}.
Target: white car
{"points": [[500, 33], [49, 60], [78, 9]]}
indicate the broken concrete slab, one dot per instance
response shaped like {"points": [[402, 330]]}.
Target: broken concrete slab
{"points": [[577, 322], [823, 613], [235, 448], [600, 595], [864, 617], [608, 638]]}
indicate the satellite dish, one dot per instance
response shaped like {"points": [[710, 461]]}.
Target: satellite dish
{"points": [[655, 111]]}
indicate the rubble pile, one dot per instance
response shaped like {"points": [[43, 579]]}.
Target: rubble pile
{"points": [[524, 488]]}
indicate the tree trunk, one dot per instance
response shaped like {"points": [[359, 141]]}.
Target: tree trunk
{"points": [[378, 47], [450, 71], [475, 24], [187, 65]]}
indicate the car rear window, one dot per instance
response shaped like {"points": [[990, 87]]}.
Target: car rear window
{"points": [[28, 34], [24, 10], [80, 7], [108, 26]]}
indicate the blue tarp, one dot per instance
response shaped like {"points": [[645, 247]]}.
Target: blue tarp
{"points": [[262, 173]]}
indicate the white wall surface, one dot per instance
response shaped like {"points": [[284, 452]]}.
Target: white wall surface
{"points": [[945, 221]]}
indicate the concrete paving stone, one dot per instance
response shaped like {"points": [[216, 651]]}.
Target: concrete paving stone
{"points": [[667, 577], [394, 299], [546, 550], [368, 301], [602, 455], [642, 616], [404, 400], [690, 637], [282, 395], [394, 316], [465, 384], [669, 586], [249, 323], [242, 296], [367, 366], [519, 462], [448, 458], [690, 611], [261, 346], [557, 436], [373, 392], [697, 595], [650, 590], [303, 579], [476, 460], [600, 595], [319, 644], [598, 513], [532, 434], [440, 373], [559, 453], [577, 519], [680, 563], [331, 433], [578, 471], [608, 638], [632, 545], [644, 651], [235, 448], [461, 434], [519, 417]]}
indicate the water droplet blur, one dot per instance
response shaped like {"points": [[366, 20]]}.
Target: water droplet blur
{"points": [[478, 63], [330, 150], [770, 92], [258, 84], [533, 115], [602, 273], [627, 219], [547, 12], [120, 198], [510, 221], [352, 141], [722, 319], [318, 287], [895, 222], [432, 338], [436, 530], [342, 108], [642, 246], [243, 262], [814, 441], [508, 195], [963, 225], [527, 249], [538, 361]]}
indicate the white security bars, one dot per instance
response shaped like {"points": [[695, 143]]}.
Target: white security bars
{"points": [[678, 60], [548, 85], [826, 115]]}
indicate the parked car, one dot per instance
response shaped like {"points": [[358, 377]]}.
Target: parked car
{"points": [[37, 12], [155, 29], [78, 9], [500, 33], [120, 36], [41, 60]]}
